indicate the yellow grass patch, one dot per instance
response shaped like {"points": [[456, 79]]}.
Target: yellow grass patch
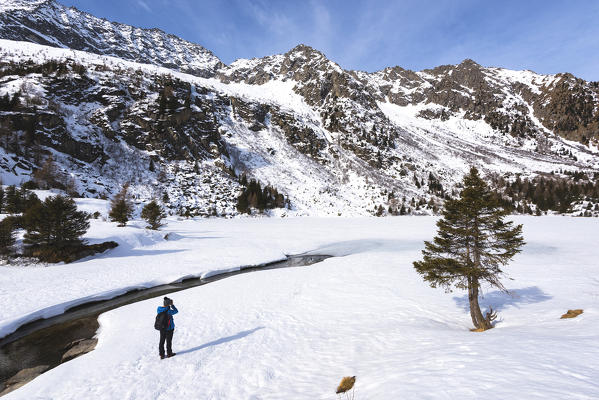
{"points": [[572, 313], [346, 384]]}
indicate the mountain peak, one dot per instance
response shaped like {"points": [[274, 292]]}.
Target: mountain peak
{"points": [[305, 51], [469, 62], [469, 65], [26, 5]]}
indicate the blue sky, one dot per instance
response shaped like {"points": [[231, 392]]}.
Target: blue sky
{"points": [[544, 36]]}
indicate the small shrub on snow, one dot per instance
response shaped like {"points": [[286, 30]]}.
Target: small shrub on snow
{"points": [[121, 207], [153, 213]]}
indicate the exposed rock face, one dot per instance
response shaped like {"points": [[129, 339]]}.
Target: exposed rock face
{"points": [[72, 350], [568, 106], [22, 377], [78, 348], [333, 141], [108, 125], [507, 100]]}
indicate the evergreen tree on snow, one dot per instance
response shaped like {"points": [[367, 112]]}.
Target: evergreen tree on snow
{"points": [[472, 244], [55, 222], [121, 207], [153, 213]]}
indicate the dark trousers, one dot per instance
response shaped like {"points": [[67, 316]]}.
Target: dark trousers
{"points": [[168, 336]]}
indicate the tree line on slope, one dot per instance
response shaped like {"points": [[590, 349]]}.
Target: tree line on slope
{"points": [[254, 197], [541, 194], [575, 193]]}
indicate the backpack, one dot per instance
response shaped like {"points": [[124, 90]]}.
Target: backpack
{"points": [[161, 322]]}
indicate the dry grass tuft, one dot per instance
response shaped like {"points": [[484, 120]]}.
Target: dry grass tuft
{"points": [[572, 313], [477, 330], [347, 383]]}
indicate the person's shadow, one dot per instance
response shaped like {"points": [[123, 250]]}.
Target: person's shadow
{"points": [[237, 336]]}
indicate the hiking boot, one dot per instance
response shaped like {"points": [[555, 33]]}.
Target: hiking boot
{"points": [[171, 355], [162, 356]]}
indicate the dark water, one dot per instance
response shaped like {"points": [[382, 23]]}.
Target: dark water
{"points": [[44, 341]]}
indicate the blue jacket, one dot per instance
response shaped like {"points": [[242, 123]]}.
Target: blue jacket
{"points": [[171, 312]]}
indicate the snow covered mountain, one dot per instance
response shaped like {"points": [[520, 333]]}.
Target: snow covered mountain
{"points": [[334, 142], [50, 23]]}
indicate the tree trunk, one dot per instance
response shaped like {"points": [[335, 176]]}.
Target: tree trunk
{"points": [[477, 316]]}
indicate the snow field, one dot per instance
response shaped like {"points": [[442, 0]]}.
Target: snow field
{"points": [[293, 333], [197, 248]]}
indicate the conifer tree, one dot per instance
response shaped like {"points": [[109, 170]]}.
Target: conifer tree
{"points": [[18, 200], [121, 207], [28, 199], [1, 199], [472, 244], [243, 203], [12, 200], [153, 213], [55, 222], [7, 236]]}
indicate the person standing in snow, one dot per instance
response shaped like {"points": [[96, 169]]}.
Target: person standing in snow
{"points": [[166, 334]]}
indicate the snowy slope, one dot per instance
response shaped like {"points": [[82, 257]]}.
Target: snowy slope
{"points": [[342, 154], [294, 333]]}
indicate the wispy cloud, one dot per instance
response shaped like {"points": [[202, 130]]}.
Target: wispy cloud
{"points": [[144, 5], [322, 29], [269, 18]]}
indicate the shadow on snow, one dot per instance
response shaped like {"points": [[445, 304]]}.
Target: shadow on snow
{"points": [[500, 300], [237, 336], [349, 247]]}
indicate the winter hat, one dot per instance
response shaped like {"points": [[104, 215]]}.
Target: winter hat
{"points": [[167, 301]]}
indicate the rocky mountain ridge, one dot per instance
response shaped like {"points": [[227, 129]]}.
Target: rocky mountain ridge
{"points": [[50, 23]]}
